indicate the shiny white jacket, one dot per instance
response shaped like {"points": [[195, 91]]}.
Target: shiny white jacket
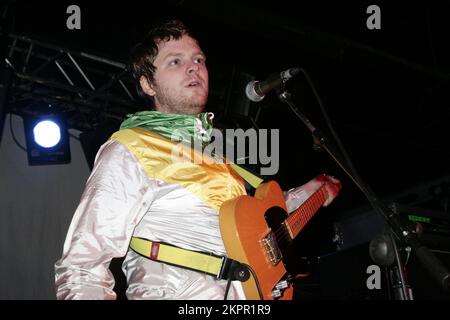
{"points": [[121, 200]]}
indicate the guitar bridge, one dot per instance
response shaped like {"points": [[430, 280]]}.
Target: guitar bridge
{"points": [[270, 246]]}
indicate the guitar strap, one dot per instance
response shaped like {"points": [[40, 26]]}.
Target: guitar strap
{"points": [[221, 267], [251, 178]]}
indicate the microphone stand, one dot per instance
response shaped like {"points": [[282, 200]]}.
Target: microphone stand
{"points": [[400, 229]]}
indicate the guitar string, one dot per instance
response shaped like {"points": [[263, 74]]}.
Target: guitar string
{"points": [[305, 212], [281, 233], [308, 208]]}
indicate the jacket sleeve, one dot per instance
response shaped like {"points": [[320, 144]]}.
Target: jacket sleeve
{"points": [[117, 195], [296, 196]]}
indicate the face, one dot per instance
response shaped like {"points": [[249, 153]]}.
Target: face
{"points": [[181, 78]]}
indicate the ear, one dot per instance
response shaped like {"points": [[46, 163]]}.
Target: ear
{"points": [[146, 86]]}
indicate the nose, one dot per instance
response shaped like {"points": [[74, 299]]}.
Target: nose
{"points": [[192, 68]]}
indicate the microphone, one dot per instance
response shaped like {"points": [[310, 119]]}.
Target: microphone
{"points": [[256, 90]]}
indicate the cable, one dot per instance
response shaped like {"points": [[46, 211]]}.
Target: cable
{"points": [[13, 135], [256, 280], [329, 124], [254, 277], [227, 289]]}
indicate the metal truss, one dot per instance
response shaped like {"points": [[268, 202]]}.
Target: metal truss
{"points": [[84, 86]]}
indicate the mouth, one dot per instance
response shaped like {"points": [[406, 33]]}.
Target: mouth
{"points": [[194, 84]]}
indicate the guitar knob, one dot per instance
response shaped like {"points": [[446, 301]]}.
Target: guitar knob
{"points": [[282, 285], [276, 293]]}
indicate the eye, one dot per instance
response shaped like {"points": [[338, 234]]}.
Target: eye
{"points": [[174, 62], [199, 60]]}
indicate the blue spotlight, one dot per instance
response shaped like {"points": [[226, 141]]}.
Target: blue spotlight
{"points": [[47, 140]]}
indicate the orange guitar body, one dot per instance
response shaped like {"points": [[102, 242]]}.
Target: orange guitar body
{"points": [[259, 232], [243, 225]]}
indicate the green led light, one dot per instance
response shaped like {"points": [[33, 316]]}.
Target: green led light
{"points": [[418, 218]]}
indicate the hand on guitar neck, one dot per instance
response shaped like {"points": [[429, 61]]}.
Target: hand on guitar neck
{"points": [[297, 196], [332, 186]]}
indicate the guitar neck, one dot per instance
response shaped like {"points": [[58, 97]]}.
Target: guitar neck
{"points": [[301, 216]]}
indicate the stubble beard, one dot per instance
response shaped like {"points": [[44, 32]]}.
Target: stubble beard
{"points": [[176, 103]]}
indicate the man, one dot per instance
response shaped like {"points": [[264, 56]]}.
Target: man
{"points": [[138, 191]]}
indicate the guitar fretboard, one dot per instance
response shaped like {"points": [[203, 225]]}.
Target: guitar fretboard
{"points": [[300, 217]]}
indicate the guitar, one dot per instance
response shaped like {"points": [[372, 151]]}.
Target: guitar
{"points": [[258, 231]]}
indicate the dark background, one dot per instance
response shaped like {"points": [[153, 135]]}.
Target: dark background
{"points": [[386, 91]]}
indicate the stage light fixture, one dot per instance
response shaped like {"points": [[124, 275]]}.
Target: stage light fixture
{"points": [[47, 140], [47, 133]]}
